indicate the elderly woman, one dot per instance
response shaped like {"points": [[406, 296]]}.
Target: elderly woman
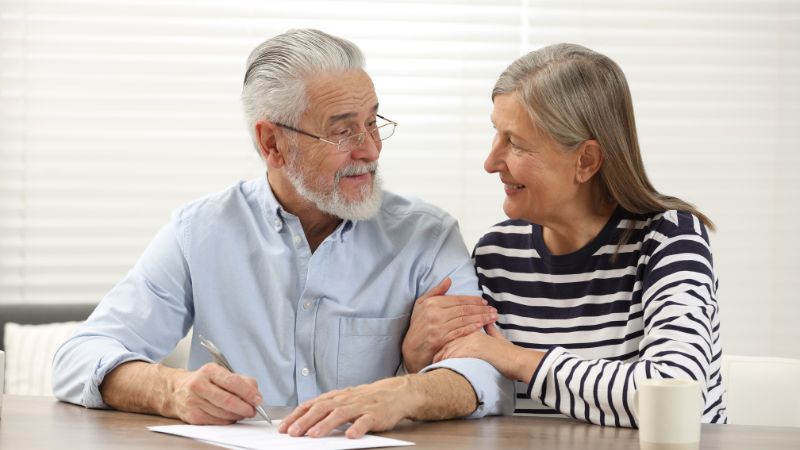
{"points": [[599, 280]]}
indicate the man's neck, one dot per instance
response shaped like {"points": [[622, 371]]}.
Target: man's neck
{"points": [[317, 225]]}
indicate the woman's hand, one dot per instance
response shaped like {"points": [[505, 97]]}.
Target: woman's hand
{"points": [[438, 319], [513, 362]]}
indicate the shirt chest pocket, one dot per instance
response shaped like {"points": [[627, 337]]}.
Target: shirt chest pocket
{"points": [[369, 349]]}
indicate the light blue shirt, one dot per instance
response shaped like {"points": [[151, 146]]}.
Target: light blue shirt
{"points": [[237, 267]]}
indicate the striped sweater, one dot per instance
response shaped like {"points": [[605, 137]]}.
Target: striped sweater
{"points": [[606, 324]]}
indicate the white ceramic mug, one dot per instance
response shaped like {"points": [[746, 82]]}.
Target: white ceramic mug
{"points": [[668, 413], [2, 379]]}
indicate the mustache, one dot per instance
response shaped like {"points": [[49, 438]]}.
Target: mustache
{"points": [[356, 169]]}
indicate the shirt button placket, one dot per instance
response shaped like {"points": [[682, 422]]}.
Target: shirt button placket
{"points": [[306, 383]]}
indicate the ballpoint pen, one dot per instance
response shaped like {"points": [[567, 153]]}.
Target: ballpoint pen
{"points": [[220, 359]]}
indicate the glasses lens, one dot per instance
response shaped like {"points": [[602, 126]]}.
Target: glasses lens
{"points": [[381, 133], [384, 131], [349, 143]]}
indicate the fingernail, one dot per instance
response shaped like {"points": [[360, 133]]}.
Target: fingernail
{"points": [[294, 430], [258, 399]]}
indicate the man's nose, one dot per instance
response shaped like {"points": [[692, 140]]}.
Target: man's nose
{"points": [[367, 147]]}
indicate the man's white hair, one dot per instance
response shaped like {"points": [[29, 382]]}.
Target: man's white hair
{"points": [[275, 82]]}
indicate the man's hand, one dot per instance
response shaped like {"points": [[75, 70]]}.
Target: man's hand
{"points": [[371, 407], [214, 396], [210, 395], [438, 319], [435, 395]]}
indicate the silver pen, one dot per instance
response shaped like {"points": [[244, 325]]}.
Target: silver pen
{"points": [[220, 359]]}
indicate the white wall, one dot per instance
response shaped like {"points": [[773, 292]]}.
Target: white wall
{"points": [[101, 137]]}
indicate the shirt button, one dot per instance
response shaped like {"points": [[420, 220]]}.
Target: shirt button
{"points": [[276, 223], [297, 240], [306, 305], [305, 371]]}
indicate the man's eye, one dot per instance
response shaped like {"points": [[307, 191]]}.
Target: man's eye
{"points": [[342, 132], [372, 124]]}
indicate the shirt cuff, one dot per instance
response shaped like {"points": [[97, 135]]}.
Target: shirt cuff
{"points": [[495, 393], [92, 398], [540, 374]]}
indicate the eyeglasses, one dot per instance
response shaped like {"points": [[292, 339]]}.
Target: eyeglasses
{"points": [[383, 129]]}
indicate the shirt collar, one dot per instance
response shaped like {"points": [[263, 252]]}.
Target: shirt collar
{"points": [[273, 210]]}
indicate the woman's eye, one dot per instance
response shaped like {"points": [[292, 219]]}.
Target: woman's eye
{"points": [[516, 149]]}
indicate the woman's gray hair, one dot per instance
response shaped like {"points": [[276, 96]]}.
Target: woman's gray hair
{"points": [[575, 94], [275, 82]]}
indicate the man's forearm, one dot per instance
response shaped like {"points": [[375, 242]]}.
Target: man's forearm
{"points": [[443, 394], [142, 387]]}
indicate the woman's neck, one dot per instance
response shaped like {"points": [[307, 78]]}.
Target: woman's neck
{"points": [[576, 228]]}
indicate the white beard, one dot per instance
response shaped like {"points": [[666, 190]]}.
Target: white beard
{"points": [[332, 201]]}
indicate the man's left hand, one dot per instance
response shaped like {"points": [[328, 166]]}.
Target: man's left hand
{"points": [[370, 407]]}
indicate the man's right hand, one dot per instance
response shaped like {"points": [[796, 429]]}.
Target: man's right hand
{"points": [[210, 395], [438, 319]]}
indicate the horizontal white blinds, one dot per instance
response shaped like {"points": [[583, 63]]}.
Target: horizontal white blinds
{"points": [[112, 114]]}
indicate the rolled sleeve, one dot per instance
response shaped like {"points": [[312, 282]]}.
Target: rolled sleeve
{"points": [[140, 319], [103, 354], [91, 397], [495, 393]]}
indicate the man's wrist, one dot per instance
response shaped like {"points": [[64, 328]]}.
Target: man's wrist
{"points": [[440, 394], [414, 397], [172, 380]]}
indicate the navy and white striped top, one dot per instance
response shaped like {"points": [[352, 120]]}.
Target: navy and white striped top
{"points": [[604, 325]]}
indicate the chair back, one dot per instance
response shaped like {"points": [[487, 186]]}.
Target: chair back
{"points": [[762, 390]]}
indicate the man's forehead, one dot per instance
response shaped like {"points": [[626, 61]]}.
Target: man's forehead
{"points": [[352, 115], [343, 96]]}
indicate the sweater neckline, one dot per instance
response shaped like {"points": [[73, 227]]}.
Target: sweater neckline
{"points": [[578, 257]]}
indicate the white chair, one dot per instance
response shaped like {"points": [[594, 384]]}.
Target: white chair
{"points": [[180, 355], [762, 390]]}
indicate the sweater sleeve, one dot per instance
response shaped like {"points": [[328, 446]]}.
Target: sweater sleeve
{"points": [[678, 289]]}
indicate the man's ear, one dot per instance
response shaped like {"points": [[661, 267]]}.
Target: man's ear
{"points": [[266, 139], [589, 161]]}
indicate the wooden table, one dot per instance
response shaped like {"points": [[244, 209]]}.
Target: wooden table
{"points": [[33, 423]]}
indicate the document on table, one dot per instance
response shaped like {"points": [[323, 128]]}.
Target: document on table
{"points": [[259, 435]]}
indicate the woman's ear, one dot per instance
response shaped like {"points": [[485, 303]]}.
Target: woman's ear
{"points": [[590, 160], [266, 139]]}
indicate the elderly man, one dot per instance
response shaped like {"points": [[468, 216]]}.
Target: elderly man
{"points": [[305, 279]]}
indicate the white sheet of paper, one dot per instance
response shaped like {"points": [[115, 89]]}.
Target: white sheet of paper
{"points": [[258, 435]]}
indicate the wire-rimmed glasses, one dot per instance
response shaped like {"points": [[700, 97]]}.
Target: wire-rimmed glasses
{"points": [[383, 129]]}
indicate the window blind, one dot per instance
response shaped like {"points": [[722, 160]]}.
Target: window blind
{"points": [[113, 114]]}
